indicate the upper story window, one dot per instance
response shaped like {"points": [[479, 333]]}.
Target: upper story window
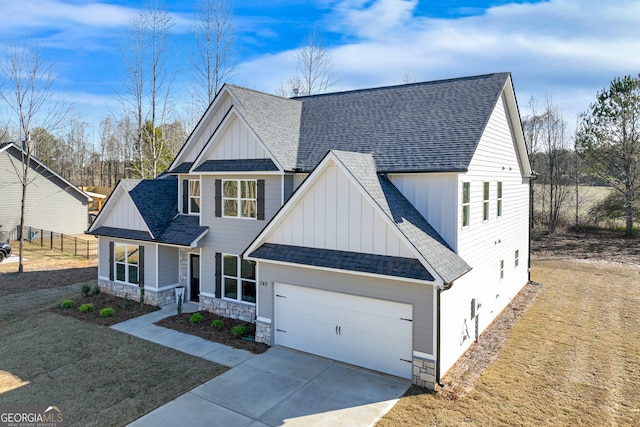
{"points": [[466, 203], [239, 198], [126, 263], [194, 196], [485, 202], [238, 279], [499, 204]]}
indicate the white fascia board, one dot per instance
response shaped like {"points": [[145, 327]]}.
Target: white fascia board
{"points": [[338, 270], [516, 127], [194, 244], [204, 119], [389, 221]]}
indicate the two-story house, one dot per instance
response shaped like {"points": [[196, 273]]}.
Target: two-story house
{"points": [[385, 227]]}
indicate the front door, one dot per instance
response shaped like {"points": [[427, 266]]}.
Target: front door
{"points": [[195, 277]]}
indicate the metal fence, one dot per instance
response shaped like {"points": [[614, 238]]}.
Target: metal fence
{"points": [[86, 247]]}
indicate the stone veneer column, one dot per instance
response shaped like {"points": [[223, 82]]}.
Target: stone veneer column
{"points": [[263, 332], [230, 309], [424, 372]]}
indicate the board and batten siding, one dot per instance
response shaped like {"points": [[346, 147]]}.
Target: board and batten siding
{"points": [[420, 296], [237, 142], [434, 196], [123, 214], [50, 204], [334, 214], [483, 244], [231, 235], [208, 124]]}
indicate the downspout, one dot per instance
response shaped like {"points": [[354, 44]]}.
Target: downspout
{"points": [[532, 178], [438, 311]]}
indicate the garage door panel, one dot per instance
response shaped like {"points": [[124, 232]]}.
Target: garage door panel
{"points": [[358, 330]]}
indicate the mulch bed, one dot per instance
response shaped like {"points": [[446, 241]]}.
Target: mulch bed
{"points": [[124, 309], [206, 331]]}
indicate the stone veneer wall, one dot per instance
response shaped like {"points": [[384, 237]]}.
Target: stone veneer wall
{"points": [[133, 293], [233, 310], [263, 332], [424, 373]]}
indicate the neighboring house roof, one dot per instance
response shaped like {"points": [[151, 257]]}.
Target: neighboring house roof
{"points": [[157, 202], [18, 151], [344, 260], [430, 247]]}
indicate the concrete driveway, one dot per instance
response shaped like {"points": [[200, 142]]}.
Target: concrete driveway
{"points": [[283, 387]]}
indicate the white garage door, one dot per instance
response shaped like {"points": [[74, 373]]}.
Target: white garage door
{"points": [[367, 332]]}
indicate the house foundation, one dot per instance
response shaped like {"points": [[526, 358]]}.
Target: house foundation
{"points": [[230, 309], [132, 292], [424, 373]]}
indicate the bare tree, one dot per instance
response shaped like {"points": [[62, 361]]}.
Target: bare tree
{"points": [[314, 69], [216, 62], [27, 91], [147, 87]]}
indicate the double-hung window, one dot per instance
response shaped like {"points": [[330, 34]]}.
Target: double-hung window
{"points": [[485, 202], [466, 203], [499, 206], [239, 198], [126, 260], [194, 196], [238, 279]]}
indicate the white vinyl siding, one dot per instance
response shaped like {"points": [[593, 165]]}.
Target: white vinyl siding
{"points": [[334, 214], [484, 244], [434, 195]]}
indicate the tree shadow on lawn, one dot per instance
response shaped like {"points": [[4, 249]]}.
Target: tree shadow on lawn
{"points": [[98, 376]]}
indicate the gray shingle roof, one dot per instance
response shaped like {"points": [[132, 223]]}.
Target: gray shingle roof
{"points": [[275, 120], [432, 126], [181, 168], [343, 260], [157, 202], [237, 165], [433, 248]]}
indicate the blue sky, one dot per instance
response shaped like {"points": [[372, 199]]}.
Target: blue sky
{"points": [[568, 49]]}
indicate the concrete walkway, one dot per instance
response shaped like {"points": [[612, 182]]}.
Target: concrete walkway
{"points": [[278, 387]]}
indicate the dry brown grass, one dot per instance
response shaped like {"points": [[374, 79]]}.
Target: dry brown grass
{"points": [[572, 359]]}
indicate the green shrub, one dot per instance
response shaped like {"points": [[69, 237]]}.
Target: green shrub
{"points": [[218, 324], [85, 308], [96, 290], [107, 312], [85, 290], [239, 331], [196, 318], [67, 304]]}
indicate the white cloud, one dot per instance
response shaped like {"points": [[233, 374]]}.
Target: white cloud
{"points": [[568, 49]]}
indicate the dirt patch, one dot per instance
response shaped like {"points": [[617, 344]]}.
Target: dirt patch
{"points": [[123, 309], [222, 335], [594, 245]]}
